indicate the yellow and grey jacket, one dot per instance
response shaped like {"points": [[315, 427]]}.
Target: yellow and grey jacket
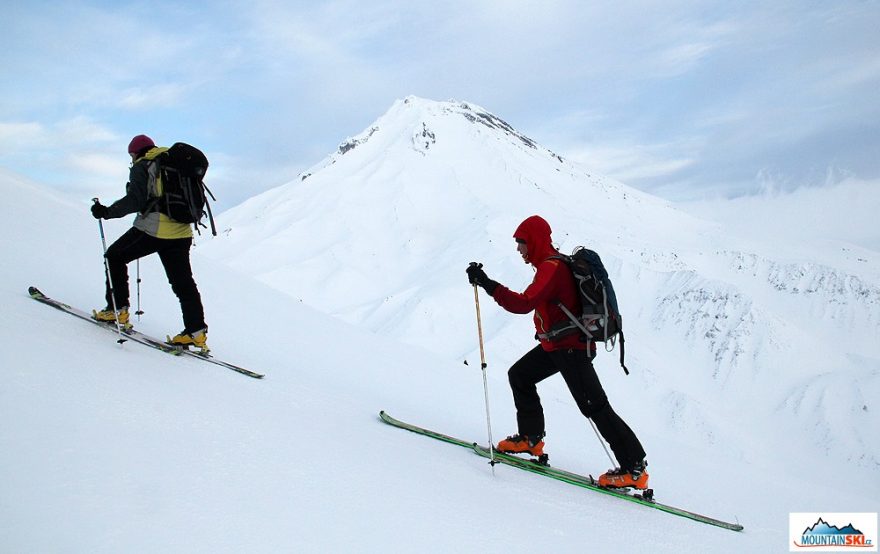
{"points": [[142, 192]]}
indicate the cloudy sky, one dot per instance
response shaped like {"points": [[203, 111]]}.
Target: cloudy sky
{"points": [[684, 99]]}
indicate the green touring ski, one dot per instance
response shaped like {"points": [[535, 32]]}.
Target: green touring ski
{"points": [[644, 498]]}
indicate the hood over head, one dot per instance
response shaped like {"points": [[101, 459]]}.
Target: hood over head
{"points": [[535, 232]]}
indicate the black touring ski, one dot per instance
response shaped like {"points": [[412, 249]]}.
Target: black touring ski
{"points": [[586, 482], [137, 336]]}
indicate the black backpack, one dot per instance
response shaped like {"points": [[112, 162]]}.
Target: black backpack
{"points": [[182, 169], [600, 318]]}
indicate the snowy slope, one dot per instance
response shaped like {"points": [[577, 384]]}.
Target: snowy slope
{"points": [[721, 322], [110, 448]]}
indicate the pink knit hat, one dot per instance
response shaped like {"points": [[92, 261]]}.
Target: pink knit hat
{"points": [[140, 142]]}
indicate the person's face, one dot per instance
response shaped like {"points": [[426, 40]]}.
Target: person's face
{"points": [[523, 251]]}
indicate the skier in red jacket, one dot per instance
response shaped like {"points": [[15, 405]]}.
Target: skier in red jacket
{"points": [[571, 355]]}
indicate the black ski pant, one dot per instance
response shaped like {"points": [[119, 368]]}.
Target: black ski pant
{"points": [[577, 369], [174, 254]]}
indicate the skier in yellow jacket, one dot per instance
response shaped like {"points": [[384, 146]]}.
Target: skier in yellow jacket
{"points": [[153, 232]]}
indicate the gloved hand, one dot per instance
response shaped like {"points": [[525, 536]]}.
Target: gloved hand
{"points": [[476, 276], [99, 211]]}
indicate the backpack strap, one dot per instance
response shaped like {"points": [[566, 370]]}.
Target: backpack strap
{"points": [[622, 341], [210, 215], [567, 327], [154, 185], [578, 324]]}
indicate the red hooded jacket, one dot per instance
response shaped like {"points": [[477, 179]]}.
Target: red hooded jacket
{"points": [[553, 283]]}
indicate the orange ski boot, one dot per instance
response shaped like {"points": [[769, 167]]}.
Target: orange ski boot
{"points": [[522, 444], [636, 478]]}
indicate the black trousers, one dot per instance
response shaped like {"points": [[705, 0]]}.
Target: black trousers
{"points": [[577, 369], [174, 254]]}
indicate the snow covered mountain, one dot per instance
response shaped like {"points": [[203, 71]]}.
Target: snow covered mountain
{"points": [[754, 379], [401, 208], [379, 234]]}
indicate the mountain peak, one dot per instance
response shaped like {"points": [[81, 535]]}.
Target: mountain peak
{"points": [[422, 120], [424, 176]]}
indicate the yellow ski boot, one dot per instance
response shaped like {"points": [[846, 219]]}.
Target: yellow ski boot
{"points": [[107, 315], [199, 339]]}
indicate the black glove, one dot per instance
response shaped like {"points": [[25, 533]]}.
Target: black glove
{"points": [[99, 211], [476, 276]]}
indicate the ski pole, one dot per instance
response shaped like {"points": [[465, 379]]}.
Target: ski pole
{"points": [[602, 442], [109, 279], [492, 461], [139, 310]]}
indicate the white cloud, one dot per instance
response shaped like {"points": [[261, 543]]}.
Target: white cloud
{"points": [[630, 162], [73, 154], [680, 58], [15, 136], [96, 164], [83, 130], [840, 77], [28, 136], [844, 210], [161, 95]]}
